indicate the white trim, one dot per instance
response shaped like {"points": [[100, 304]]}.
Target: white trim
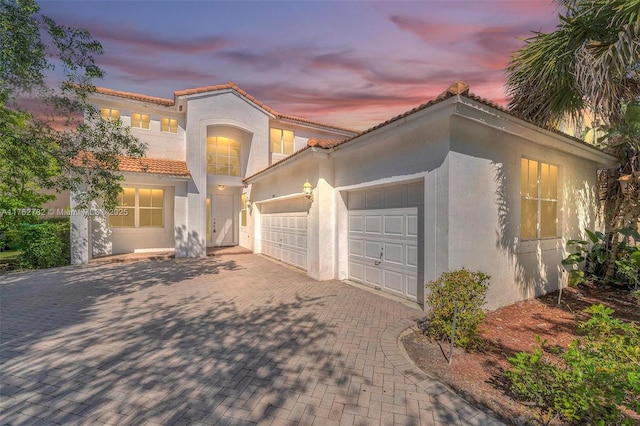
{"points": [[281, 198], [154, 250], [395, 180], [565, 145]]}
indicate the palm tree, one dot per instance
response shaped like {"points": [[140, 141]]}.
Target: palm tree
{"points": [[589, 63]]}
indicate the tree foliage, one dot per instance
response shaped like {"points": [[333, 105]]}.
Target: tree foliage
{"points": [[590, 64], [44, 151]]}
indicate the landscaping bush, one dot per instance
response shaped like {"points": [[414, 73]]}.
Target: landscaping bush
{"points": [[469, 289], [44, 245], [594, 256], [589, 382]]}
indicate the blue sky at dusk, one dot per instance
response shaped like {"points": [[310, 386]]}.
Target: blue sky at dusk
{"points": [[350, 63]]}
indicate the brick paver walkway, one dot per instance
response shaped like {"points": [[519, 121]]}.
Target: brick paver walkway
{"points": [[232, 339]]}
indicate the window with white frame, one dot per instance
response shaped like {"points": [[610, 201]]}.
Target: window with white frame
{"points": [[139, 121], [139, 208], [169, 125], [281, 141], [539, 200], [223, 156], [110, 114]]}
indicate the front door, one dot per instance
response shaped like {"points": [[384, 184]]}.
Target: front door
{"points": [[221, 226]]}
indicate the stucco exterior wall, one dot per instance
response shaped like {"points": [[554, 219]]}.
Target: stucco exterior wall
{"points": [[484, 210], [104, 240], [281, 191], [222, 110], [159, 144], [414, 150]]}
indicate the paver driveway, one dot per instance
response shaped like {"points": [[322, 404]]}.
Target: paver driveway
{"points": [[222, 340]]}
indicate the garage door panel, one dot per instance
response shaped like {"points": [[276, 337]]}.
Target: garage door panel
{"points": [[394, 281], [284, 237], [394, 253], [394, 225], [412, 226], [392, 233], [373, 224], [412, 256], [372, 275], [412, 285], [356, 271], [372, 249], [356, 247], [355, 224]]}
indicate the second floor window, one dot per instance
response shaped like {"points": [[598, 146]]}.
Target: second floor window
{"points": [[169, 125], [223, 156], [281, 141], [110, 114], [140, 121]]}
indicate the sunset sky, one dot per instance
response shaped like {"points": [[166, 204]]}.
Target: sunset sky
{"points": [[350, 63]]}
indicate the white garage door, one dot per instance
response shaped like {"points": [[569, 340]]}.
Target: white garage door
{"points": [[284, 237], [383, 249]]}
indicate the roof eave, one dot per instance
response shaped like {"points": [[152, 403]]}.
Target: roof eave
{"points": [[591, 152], [304, 152]]}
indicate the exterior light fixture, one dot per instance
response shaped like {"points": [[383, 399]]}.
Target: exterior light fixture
{"points": [[307, 190], [247, 204], [220, 187]]}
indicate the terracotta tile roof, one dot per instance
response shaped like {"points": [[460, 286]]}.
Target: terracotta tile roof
{"points": [[232, 86], [324, 143], [227, 86], [135, 96], [155, 166]]}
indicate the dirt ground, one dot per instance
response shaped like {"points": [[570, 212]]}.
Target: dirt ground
{"points": [[479, 376]]}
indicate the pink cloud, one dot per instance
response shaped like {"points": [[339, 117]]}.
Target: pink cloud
{"points": [[139, 69], [148, 42], [430, 31]]}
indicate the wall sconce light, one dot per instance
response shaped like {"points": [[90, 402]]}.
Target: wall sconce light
{"points": [[221, 187], [307, 190], [247, 204]]}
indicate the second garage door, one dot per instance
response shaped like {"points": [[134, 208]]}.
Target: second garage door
{"points": [[284, 237], [383, 249]]}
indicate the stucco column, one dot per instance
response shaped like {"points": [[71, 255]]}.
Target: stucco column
{"points": [[180, 220], [80, 251], [322, 225]]}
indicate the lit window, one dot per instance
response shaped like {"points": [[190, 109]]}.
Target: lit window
{"points": [[281, 141], [539, 196], [169, 125], [124, 216], [110, 114], [243, 209], [140, 121], [151, 207], [139, 208], [223, 156]]}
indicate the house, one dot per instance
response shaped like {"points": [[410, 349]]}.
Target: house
{"points": [[187, 194], [455, 182]]}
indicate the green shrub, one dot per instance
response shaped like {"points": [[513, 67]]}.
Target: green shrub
{"points": [[592, 258], [44, 245], [469, 290], [591, 380]]}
